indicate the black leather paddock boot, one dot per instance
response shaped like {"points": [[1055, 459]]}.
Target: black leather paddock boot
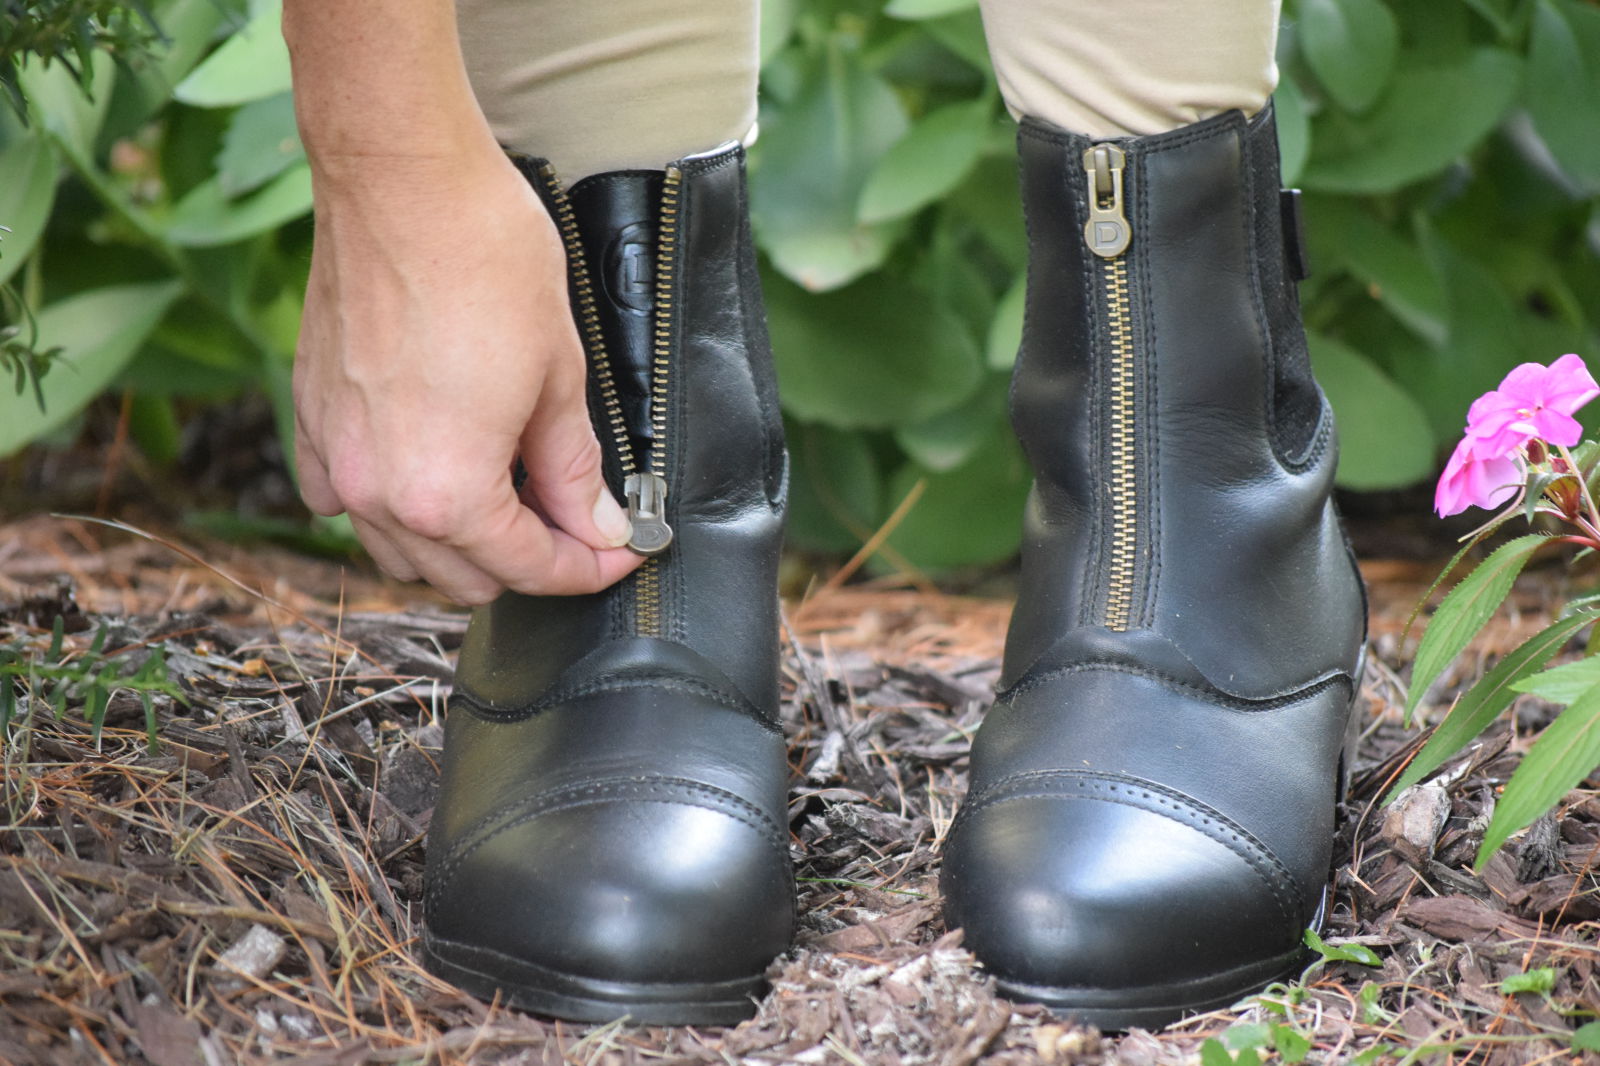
{"points": [[1151, 812], [611, 834]]}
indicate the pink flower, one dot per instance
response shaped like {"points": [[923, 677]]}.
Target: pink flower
{"points": [[1473, 479], [1532, 401]]}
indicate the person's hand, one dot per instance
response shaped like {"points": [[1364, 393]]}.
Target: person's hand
{"points": [[438, 347]]}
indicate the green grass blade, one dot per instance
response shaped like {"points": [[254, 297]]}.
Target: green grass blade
{"points": [[1464, 611], [1566, 753], [1493, 693], [151, 743]]}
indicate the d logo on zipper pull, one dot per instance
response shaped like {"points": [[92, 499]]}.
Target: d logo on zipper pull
{"points": [[647, 510], [1107, 231]]}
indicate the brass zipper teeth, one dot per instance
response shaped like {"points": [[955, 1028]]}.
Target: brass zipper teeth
{"points": [[589, 317], [647, 582], [666, 286], [1124, 494], [647, 599], [1107, 234]]}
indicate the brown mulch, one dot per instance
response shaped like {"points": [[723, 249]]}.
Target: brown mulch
{"points": [[248, 891]]}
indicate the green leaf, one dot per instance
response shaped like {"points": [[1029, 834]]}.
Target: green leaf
{"points": [[777, 26], [1565, 683], [62, 106], [145, 87], [970, 515], [948, 440], [1398, 273], [878, 353], [261, 143], [1564, 85], [1351, 46], [1430, 116], [1464, 611], [1291, 1045], [1371, 1012], [930, 160], [1246, 1035], [1294, 130], [206, 217], [98, 331], [1565, 753], [26, 194], [988, 201], [1212, 1053], [1486, 335], [1482, 704], [1357, 953], [253, 64], [835, 490], [810, 164], [962, 33], [926, 9], [1384, 439], [1538, 981], [1586, 1037], [1005, 330]]}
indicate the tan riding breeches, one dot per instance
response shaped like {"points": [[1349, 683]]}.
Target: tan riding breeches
{"points": [[635, 83]]}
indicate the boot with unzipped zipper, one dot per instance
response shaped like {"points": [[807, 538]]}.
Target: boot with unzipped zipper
{"points": [[611, 836], [1151, 812]]}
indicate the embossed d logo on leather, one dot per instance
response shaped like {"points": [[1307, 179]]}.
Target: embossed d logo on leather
{"points": [[629, 275]]}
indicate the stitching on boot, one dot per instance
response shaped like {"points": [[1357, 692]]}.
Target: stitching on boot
{"points": [[1151, 487], [611, 683], [1157, 799], [652, 789], [1208, 695]]}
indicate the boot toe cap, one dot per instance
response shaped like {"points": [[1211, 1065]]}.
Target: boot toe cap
{"points": [[1089, 890], [637, 881]]}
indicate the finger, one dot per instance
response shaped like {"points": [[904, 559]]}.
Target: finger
{"points": [[514, 547], [389, 558], [316, 489], [445, 568], [562, 458]]}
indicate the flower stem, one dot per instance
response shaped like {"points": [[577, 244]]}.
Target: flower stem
{"points": [[1583, 486]]}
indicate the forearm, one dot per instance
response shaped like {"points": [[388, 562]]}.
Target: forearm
{"points": [[381, 80]]}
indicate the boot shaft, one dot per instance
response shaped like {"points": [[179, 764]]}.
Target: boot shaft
{"points": [[667, 301], [1184, 456]]}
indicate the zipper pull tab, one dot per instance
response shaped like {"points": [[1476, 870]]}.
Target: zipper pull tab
{"points": [[1107, 231], [647, 510]]}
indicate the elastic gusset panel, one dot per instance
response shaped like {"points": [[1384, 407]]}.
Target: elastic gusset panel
{"points": [[1295, 403]]}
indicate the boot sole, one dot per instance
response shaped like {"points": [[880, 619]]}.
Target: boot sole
{"points": [[538, 990], [1153, 1006]]}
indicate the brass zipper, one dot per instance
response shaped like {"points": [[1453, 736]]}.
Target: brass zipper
{"points": [[594, 341], [647, 489], [1107, 234], [644, 485]]}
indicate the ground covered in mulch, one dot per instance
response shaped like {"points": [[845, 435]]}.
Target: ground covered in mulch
{"points": [[248, 890]]}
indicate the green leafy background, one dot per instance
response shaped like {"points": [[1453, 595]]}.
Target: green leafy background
{"points": [[1449, 151]]}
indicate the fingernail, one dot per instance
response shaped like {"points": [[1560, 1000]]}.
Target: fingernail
{"points": [[611, 520]]}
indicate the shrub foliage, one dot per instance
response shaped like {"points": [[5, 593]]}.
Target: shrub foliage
{"points": [[158, 206]]}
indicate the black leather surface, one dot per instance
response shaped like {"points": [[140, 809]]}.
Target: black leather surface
{"points": [[1153, 808], [613, 803]]}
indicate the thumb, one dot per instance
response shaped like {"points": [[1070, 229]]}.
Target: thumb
{"points": [[562, 458]]}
